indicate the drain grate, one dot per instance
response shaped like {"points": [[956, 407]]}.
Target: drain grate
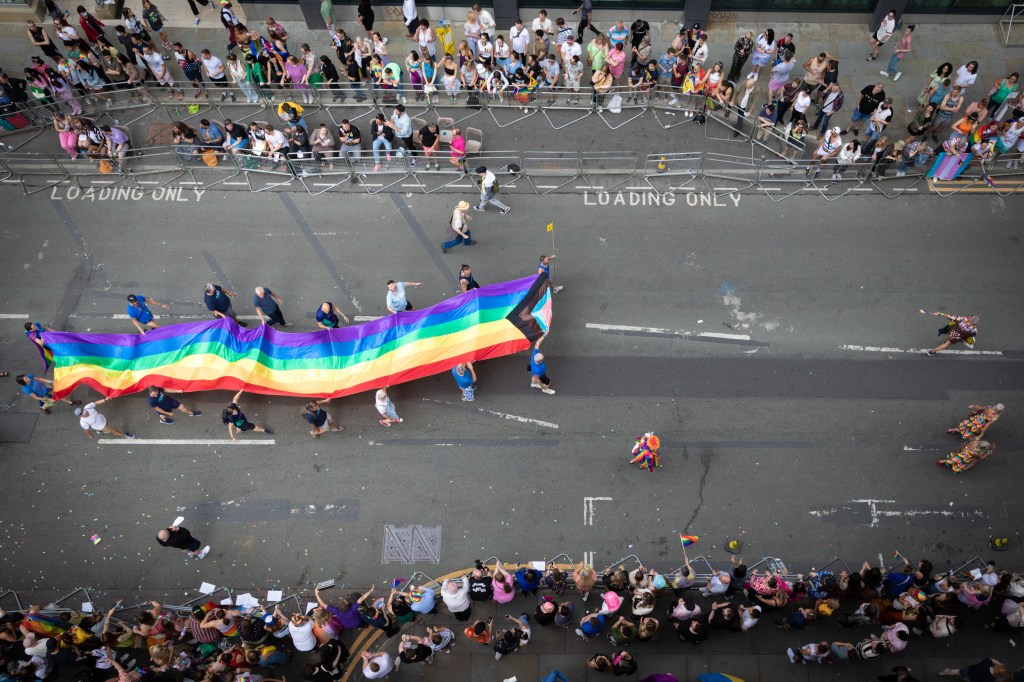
{"points": [[411, 544]]}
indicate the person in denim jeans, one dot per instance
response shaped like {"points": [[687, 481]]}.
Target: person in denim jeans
{"points": [[831, 100], [383, 136]]}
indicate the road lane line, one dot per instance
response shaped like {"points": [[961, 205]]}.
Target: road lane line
{"points": [[503, 415], [666, 332], [13, 316], [181, 441], [892, 349]]}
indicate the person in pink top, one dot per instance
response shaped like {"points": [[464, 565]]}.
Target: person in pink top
{"points": [[458, 145], [295, 72], [616, 61], [504, 584]]}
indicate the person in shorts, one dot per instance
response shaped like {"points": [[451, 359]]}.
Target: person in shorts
{"points": [[235, 420]]}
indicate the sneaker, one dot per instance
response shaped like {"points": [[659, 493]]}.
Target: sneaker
{"points": [[196, 413], [789, 652], [223, 96], [444, 250], [167, 421], [555, 290], [412, 162], [196, 22], [398, 420], [478, 209], [203, 552], [930, 353], [897, 76], [579, 633], [506, 210], [549, 391], [387, 156], [884, 73], [900, 174], [437, 166], [45, 410], [233, 97], [497, 656], [533, 385], [269, 432], [376, 167], [128, 435], [385, 422]]}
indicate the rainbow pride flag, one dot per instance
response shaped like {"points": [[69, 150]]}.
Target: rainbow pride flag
{"points": [[484, 323]]}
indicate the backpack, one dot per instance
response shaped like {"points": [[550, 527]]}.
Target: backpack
{"points": [[496, 188]]}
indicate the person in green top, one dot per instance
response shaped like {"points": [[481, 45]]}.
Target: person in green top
{"points": [[1003, 89], [597, 50]]}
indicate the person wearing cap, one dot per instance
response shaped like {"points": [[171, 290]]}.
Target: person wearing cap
{"points": [[867, 103], [165, 405], [488, 188], [179, 537], [140, 314], [235, 420], [268, 307], [879, 121], [459, 225], [301, 629], [91, 420], [327, 316], [218, 302]]}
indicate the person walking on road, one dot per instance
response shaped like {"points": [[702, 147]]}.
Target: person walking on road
{"points": [[459, 225], [386, 408], [465, 378], [319, 418], [41, 390], [488, 188], [544, 267], [978, 421], [961, 328], [235, 420], [327, 316], [179, 537], [91, 420], [902, 50], [396, 300], [539, 369], [165, 405], [218, 302], [268, 307], [140, 314]]}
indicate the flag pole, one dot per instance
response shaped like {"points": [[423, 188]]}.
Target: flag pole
{"points": [[551, 229]]}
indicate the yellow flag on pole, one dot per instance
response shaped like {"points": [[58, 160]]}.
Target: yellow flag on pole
{"points": [[551, 227]]}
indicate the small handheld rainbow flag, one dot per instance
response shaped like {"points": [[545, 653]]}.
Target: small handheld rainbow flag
{"points": [[688, 540]]}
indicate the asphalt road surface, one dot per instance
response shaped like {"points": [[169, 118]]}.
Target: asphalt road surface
{"points": [[775, 348]]}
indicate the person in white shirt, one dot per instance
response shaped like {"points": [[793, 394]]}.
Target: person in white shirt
{"points": [[215, 70], [485, 50], [412, 18], [487, 191], [377, 666], [276, 141], [456, 597], [801, 103], [301, 629], [542, 23], [155, 62], [426, 38], [749, 616], [496, 84], [700, 50], [520, 37], [569, 49], [966, 75], [487, 24], [884, 32], [91, 420]]}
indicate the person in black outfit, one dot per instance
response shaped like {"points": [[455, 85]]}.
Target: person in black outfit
{"points": [[179, 537], [637, 30]]}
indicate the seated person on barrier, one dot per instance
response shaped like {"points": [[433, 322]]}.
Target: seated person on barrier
{"points": [[210, 135], [298, 143], [236, 136], [351, 142], [115, 141], [257, 139], [277, 143], [185, 141], [323, 142]]}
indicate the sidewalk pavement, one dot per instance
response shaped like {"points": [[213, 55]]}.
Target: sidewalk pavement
{"points": [[933, 44]]}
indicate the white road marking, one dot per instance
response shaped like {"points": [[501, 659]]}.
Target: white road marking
{"points": [[183, 441], [148, 182], [503, 415], [588, 508], [366, 318], [13, 316], [892, 349], [236, 184], [588, 558], [670, 332], [907, 448], [877, 514]]}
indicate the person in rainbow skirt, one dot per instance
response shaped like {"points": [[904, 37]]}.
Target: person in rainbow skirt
{"points": [[645, 452]]}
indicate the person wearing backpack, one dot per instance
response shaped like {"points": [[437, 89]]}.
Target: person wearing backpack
{"points": [[488, 188], [235, 420], [831, 102]]}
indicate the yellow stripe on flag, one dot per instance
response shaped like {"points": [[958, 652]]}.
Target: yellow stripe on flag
{"points": [[551, 227]]}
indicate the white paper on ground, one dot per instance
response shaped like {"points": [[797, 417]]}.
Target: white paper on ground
{"points": [[246, 601], [976, 573], [207, 588], [274, 596], [87, 607], [310, 605], [538, 565], [511, 679], [226, 601]]}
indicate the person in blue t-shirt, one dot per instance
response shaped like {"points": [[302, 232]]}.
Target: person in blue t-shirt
{"points": [[319, 418], [165, 405], [539, 368], [465, 378], [40, 390], [218, 302], [327, 316], [544, 266], [140, 314], [528, 580]]}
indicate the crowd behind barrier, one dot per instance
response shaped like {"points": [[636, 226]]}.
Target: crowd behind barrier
{"points": [[164, 641]]}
